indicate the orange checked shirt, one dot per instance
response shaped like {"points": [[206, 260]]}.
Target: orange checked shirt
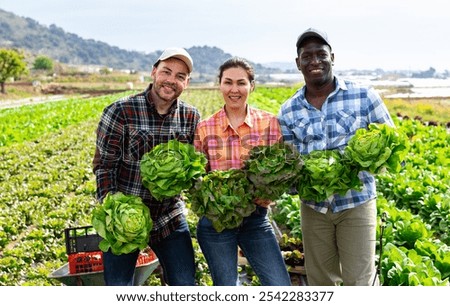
{"points": [[226, 147]]}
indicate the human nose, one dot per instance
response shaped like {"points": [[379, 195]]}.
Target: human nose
{"points": [[316, 59], [234, 88]]}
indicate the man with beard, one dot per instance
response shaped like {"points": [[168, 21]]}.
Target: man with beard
{"points": [[129, 128], [338, 233]]}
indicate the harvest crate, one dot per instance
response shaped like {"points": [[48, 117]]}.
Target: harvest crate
{"points": [[81, 239], [82, 249], [85, 255], [85, 262]]}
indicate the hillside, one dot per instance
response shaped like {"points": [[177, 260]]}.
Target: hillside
{"points": [[27, 34]]}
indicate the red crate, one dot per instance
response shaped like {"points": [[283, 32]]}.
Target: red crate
{"points": [[84, 262], [145, 257], [85, 255]]}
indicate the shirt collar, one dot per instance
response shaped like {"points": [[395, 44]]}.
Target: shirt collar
{"points": [[225, 123], [339, 85]]}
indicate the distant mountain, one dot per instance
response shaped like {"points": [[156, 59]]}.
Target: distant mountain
{"points": [[27, 34]]}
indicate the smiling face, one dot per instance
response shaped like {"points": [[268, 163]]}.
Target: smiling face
{"points": [[170, 78], [235, 86], [315, 61]]}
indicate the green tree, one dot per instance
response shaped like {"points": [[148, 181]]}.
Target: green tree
{"points": [[43, 63], [11, 65]]}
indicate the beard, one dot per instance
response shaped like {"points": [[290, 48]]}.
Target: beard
{"points": [[167, 91]]}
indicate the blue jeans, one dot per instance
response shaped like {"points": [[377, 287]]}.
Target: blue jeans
{"points": [[175, 254], [257, 240]]}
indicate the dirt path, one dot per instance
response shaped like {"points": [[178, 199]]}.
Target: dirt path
{"points": [[30, 100]]}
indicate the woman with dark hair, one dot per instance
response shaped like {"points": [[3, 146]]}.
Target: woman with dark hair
{"points": [[226, 139]]}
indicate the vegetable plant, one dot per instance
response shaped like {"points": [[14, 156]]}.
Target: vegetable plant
{"points": [[273, 169], [224, 197], [377, 148], [171, 167], [326, 173], [124, 223]]}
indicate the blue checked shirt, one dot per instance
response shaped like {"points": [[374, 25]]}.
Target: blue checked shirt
{"points": [[127, 130], [348, 108]]}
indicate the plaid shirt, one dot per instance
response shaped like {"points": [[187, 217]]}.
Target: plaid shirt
{"points": [[127, 130], [226, 147], [348, 108]]}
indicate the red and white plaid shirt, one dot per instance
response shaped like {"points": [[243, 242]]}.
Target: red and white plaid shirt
{"points": [[226, 147]]}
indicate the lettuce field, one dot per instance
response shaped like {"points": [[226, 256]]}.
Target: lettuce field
{"points": [[47, 185]]}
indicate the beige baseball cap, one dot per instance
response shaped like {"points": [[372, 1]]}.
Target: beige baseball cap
{"points": [[178, 53]]}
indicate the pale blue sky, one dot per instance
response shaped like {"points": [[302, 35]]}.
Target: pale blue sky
{"points": [[387, 34]]}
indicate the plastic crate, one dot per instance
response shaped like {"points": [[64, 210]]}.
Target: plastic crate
{"points": [[81, 239], [85, 255], [85, 262], [146, 256]]}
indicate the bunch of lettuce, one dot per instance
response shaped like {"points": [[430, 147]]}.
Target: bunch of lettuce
{"points": [[326, 173], [124, 223], [273, 169], [224, 197], [171, 167], [380, 147]]}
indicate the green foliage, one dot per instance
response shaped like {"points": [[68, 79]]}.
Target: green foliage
{"points": [[224, 197], [270, 98], [286, 212], [21, 124], [12, 65], [423, 185], [43, 63], [326, 173], [124, 223], [170, 168], [377, 148], [273, 169], [45, 187], [403, 267]]}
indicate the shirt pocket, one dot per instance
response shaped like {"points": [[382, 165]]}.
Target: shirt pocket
{"points": [[141, 141], [305, 131], [346, 123]]}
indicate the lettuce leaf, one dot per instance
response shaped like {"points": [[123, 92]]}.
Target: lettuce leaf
{"points": [[169, 168]]}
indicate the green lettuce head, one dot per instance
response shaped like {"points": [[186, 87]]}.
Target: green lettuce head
{"points": [[377, 148], [124, 223], [273, 169], [224, 197], [171, 167], [326, 173]]}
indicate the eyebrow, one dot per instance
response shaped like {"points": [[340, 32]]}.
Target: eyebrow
{"points": [[178, 73], [238, 80]]}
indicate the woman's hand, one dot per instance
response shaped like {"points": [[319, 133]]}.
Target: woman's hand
{"points": [[263, 202]]}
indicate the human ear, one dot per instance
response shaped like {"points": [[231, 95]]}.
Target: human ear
{"points": [[297, 63]]}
